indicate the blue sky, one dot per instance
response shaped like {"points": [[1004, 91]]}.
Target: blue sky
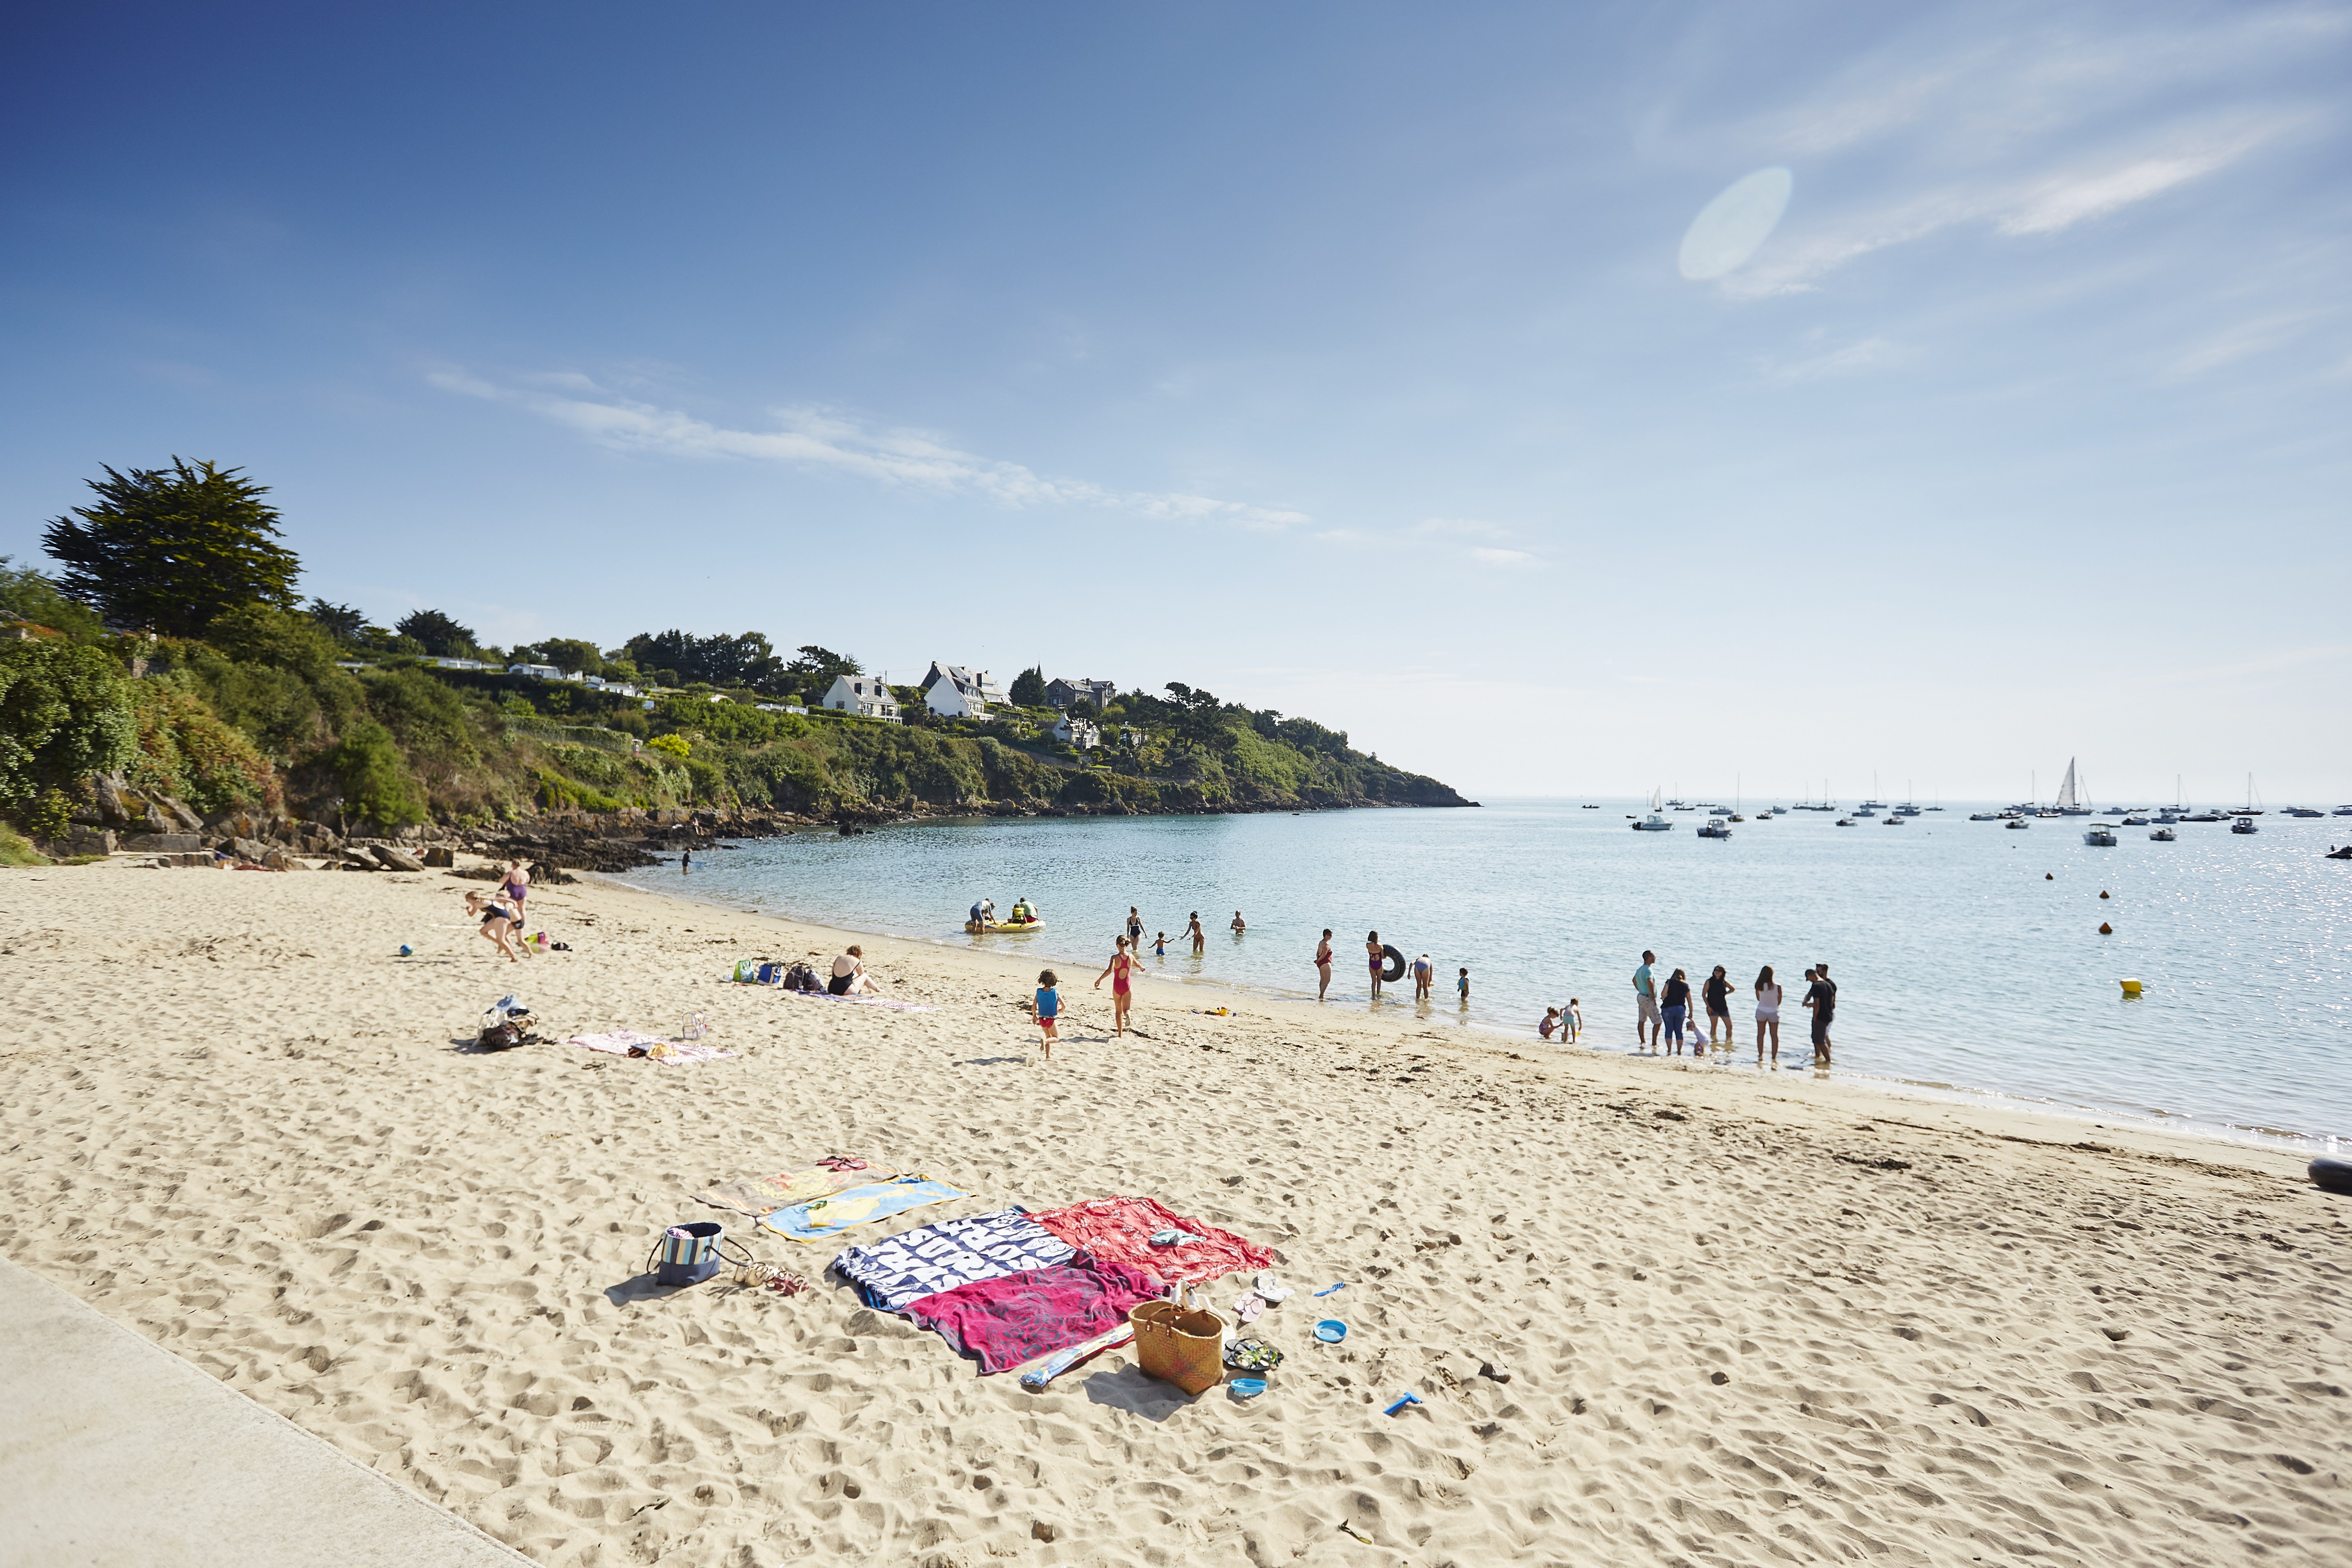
{"points": [[1338, 358]]}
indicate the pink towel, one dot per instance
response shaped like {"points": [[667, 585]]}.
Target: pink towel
{"points": [[1119, 1230], [1003, 1323]]}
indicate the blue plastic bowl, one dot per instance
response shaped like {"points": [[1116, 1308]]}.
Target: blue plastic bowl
{"points": [[1247, 1387], [1330, 1331]]}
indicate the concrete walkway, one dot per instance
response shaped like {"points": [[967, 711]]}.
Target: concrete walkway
{"points": [[115, 1451]]}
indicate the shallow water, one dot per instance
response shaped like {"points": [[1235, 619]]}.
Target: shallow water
{"points": [[1960, 967]]}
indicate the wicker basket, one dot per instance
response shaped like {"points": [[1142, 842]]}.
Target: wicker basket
{"points": [[1185, 1347]]}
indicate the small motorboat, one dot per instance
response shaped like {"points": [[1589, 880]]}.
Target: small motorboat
{"points": [[1865, 811], [2135, 822], [2100, 838], [2168, 817], [2115, 811], [2343, 854], [1653, 823], [2019, 822], [2303, 811], [2244, 824], [1896, 821], [1845, 822], [1590, 807], [1714, 829], [2342, 811], [2203, 816], [1984, 817], [2164, 835]]}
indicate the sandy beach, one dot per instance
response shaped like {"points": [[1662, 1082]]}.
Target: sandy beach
{"points": [[1780, 1321]]}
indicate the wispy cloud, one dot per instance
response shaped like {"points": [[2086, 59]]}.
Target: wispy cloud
{"points": [[1490, 555], [1851, 359], [2241, 342], [821, 438]]}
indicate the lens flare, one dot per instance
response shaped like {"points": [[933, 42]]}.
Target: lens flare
{"points": [[1730, 228]]}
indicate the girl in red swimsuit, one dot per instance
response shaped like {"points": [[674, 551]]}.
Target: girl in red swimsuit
{"points": [[1121, 971]]}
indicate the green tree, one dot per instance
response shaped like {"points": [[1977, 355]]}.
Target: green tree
{"points": [[27, 596], [437, 634], [375, 785], [341, 622], [571, 656], [813, 673], [168, 549], [1029, 688], [65, 713]]}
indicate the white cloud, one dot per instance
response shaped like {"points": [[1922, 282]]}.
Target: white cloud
{"points": [[2065, 200], [815, 437], [1489, 555], [1869, 353], [2243, 341], [1462, 525]]}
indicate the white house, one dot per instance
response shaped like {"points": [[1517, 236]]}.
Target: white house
{"points": [[1082, 734], [954, 692], [863, 695]]}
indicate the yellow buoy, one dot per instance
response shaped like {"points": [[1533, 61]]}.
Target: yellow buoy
{"points": [[2131, 987]]}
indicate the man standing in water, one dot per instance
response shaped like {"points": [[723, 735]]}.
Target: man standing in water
{"points": [[1646, 1005], [1823, 999]]}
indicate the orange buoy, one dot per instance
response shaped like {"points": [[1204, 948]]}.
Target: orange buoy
{"points": [[2106, 930]]}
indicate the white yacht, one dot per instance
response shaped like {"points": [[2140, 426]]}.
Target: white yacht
{"points": [[1655, 822]]}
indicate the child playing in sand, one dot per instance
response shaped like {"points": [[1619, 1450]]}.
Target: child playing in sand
{"points": [[1550, 1023], [1048, 1008]]}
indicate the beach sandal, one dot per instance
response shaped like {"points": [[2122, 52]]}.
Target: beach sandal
{"points": [[1275, 1291], [1251, 1355], [1247, 1308]]}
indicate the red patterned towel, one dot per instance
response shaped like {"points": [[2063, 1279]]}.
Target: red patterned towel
{"points": [[1003, 1322], [1119, 1230]]}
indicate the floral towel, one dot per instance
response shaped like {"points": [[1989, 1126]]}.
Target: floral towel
{"points": [[905, 1268], [1003, 1322], [1119, 1230]]}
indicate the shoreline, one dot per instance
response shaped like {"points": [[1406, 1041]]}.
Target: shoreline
{"points": [[2182, 1130], [1755, 1321]]}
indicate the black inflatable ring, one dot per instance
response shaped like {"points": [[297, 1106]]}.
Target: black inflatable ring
{"points": [[2332, 1175], [1395, 970]]}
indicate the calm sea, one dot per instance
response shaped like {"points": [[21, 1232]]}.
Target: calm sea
{"points": [[1968, 955]]}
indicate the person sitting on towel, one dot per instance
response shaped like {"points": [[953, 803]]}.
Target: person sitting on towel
{"points": [[849, 975]]}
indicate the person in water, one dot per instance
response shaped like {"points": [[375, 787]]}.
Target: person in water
{"points": [[1323, 964], [1134, 929], [1120, 972], [1822, 1000], [1645, 1001], [1424, 975], [1717, 992], [1673, 1006], [1463, 985], [1159, 945], [1572, 1019], [1023, 912], [1239, 925], [1767, 1014], [1379, 960], [1200, 938]]}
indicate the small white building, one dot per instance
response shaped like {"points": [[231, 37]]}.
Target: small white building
{"points": [[536, 671], [951, 692], [863, 695], [1079, 734]]}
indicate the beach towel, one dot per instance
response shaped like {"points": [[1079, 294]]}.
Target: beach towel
{"points": [[819, 1219], [626, 1042], [1003, 1323], [757, 1195], [1119, 1230], [901, 1268], [890, 1002]]}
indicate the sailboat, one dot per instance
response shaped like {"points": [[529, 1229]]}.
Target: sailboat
{"points": [[2249, 808], [1655, 822], [2068, 804]]}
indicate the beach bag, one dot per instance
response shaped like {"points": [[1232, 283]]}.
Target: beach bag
{"points": [[1179, 1344], [689, 1254], [801, 977], [770, 975], [747, 971]]}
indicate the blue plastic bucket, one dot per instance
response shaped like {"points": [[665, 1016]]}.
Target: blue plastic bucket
{"points": [[689, 1254]]}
